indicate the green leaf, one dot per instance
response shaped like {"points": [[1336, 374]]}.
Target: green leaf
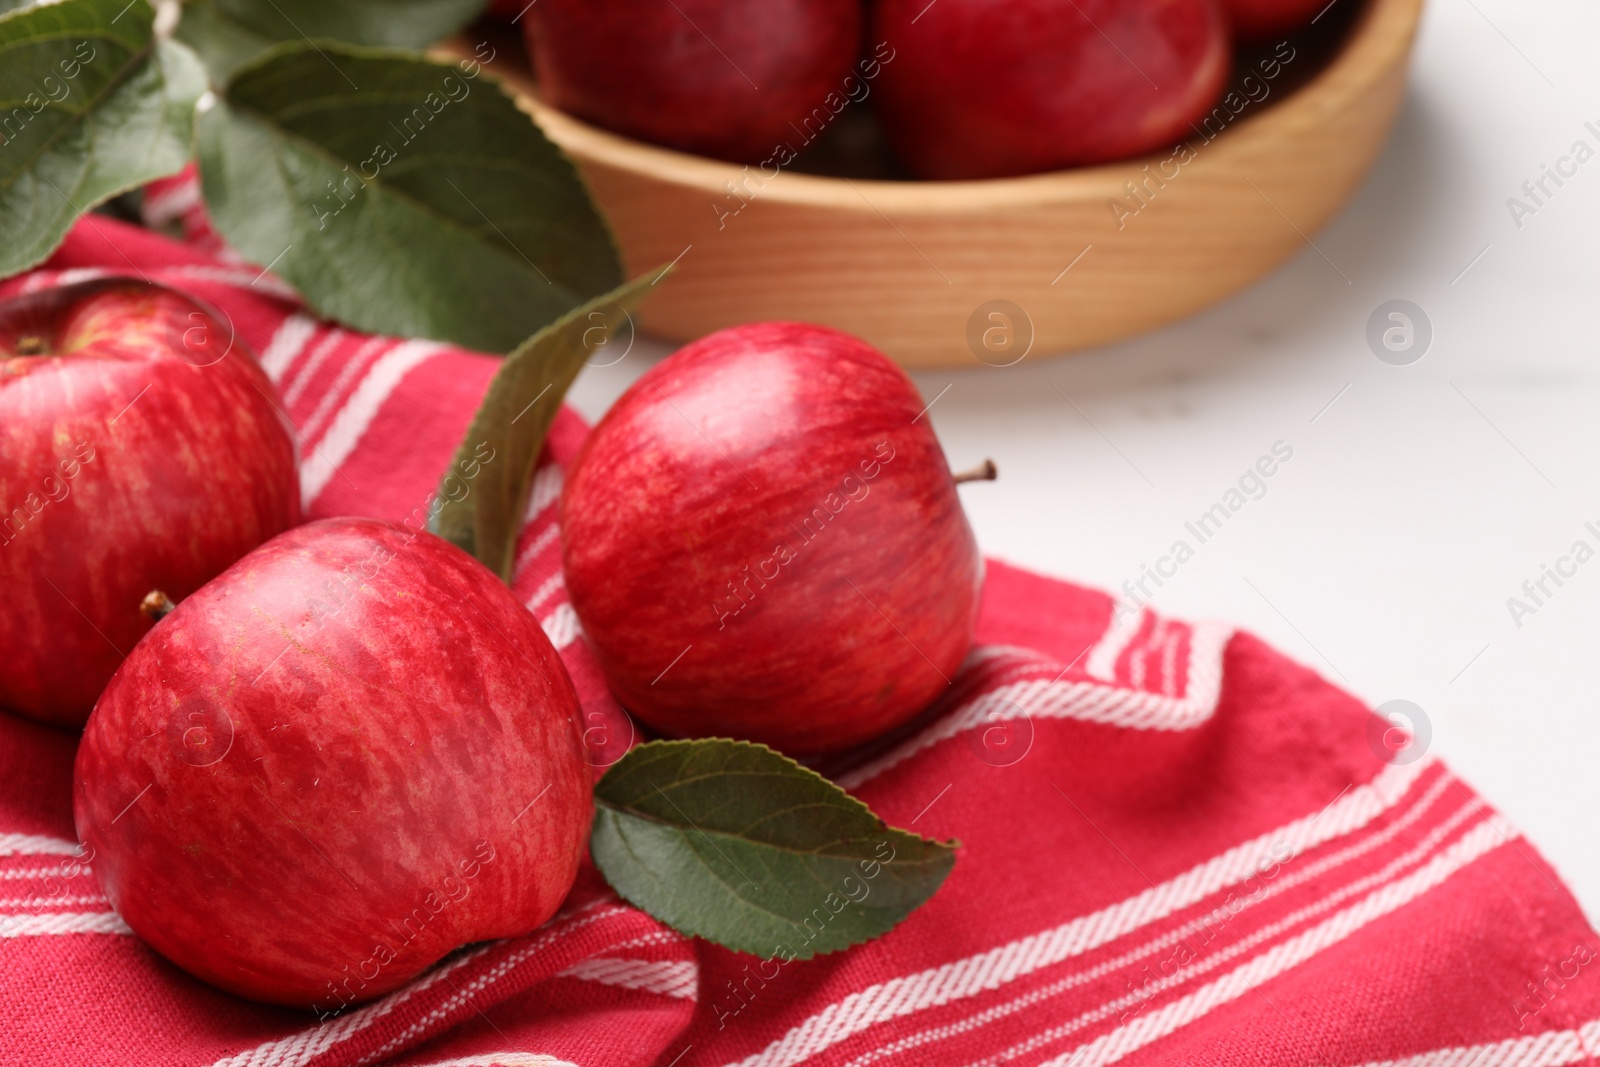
{"points": [[734, 843], [401, 195], [485, 490], [228, 33], [222, 44], [91, 105]]}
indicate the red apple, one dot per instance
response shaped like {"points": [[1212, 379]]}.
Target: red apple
{"points": [[1260, 20], [763, 541], [140, 448], [735, 79], [992, 88], [349, 754]]}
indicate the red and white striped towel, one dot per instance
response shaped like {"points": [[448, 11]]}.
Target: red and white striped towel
{"points": [[1178, 846]]}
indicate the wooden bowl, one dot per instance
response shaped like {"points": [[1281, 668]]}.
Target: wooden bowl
{"points": [[949, 273]]}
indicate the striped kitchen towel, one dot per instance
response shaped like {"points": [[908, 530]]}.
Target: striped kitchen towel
{"points": [[1178, 847]]}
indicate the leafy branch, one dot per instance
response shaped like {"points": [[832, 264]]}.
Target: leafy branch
{"points": [[397, 193]]}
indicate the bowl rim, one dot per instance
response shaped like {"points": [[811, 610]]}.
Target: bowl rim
{"points": [[1371, 52]]}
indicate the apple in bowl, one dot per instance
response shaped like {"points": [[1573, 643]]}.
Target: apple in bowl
{"points": [[733, 79], [986, 89]]}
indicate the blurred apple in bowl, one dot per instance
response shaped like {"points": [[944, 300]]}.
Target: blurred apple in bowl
{"points": [[987, 89], [734, 79]]}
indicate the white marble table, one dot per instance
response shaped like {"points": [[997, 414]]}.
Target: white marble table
{"points": [[1419, 497]]}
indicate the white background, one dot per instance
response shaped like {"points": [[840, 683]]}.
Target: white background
{"points": [[1422, 498]]}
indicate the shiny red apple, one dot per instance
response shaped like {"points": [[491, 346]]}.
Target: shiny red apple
{"points": [[140, 448], [763, 541], [993, 88], [735, 79], [1260, 20], [347, 755]]}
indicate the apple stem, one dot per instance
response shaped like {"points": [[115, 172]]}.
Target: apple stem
{"points": [[30, 345], [984, 472], [156, 605]]}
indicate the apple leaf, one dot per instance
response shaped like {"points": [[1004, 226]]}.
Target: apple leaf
{"points": [[229, 33], [730, 841], [481, 499], [91, 105], [401, 195]]}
